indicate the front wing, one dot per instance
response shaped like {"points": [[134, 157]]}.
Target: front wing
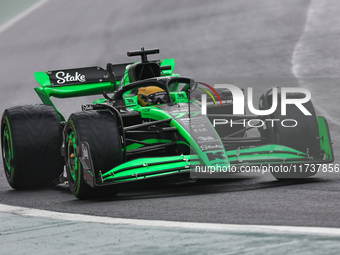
{"points": [[153, 167]]}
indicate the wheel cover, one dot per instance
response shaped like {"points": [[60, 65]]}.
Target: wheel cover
{"points": [[72, 159], [7, 150]]}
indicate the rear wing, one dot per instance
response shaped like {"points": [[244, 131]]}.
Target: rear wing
{"points": [[79, 76], [87, 81], [78, 82]]}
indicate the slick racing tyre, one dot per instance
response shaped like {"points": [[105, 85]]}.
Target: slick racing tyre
{"points": [[100, 131], [31, 139], [302, 137]]}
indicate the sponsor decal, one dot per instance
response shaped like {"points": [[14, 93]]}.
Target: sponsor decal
{"points": [[197, 125], [211, 147], [87, 107], [63, 77], [78, 76], [206, 138], [85, 152]]}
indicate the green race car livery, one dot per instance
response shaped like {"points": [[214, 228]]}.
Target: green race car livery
{"points": [[118, 140]]}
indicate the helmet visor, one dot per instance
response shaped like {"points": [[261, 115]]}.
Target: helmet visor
{"points": [[156, 98]]}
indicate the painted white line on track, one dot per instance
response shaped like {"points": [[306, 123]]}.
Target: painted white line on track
{"points": [[261, 229], [295, 63], [313, 22], [22, 15]]}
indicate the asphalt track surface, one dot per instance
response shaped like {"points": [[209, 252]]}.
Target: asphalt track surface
{"points": [[258, 43]]}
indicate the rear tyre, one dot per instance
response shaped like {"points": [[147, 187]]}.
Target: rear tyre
{"points": [[100, 131], [31, 138], [302, 137]]}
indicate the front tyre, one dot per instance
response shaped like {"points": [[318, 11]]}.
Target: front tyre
{"points": [[302, 137], [100, 131], [31, 139]]}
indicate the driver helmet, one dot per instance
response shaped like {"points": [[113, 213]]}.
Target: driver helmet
{"points": [[151, 95]]}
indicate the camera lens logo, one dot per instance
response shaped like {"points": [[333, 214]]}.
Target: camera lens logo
{"points": [[209, 93]]}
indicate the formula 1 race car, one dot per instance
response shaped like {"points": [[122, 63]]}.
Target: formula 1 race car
{"points": [[155, 125]]}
